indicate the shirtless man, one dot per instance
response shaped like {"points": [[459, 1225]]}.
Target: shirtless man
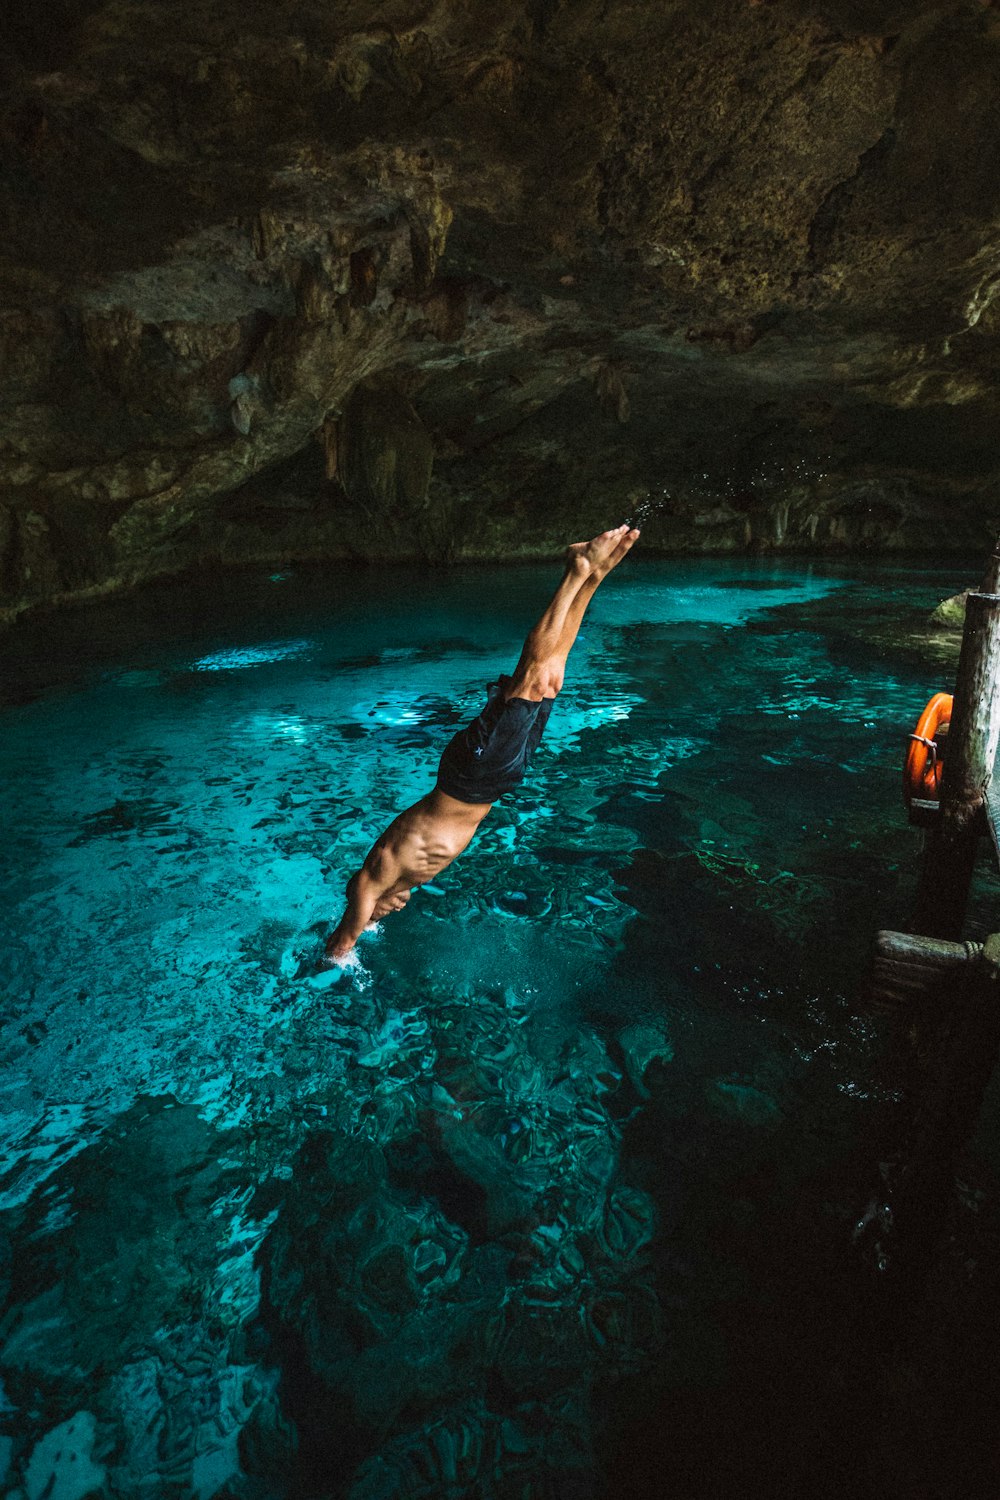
{"points": [[483, 761]]}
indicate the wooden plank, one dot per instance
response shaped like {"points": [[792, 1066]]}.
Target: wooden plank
{"points": [[924, 813], [906, 967]]}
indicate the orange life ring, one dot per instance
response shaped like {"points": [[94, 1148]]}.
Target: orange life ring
{"points": [[922, 771]]}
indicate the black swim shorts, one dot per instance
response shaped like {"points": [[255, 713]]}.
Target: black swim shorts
{"points": [[490, 756]]}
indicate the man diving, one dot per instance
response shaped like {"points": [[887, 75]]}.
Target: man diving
{"points": [[486, 759]]}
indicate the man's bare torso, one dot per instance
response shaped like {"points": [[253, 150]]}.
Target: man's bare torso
{"points": [[415, 847], [422, 841]]}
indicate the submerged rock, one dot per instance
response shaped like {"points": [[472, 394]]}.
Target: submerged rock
{"points": [[462, 1237], [950, 615], [743, 1102], [61, 1466], [643, 1044]]}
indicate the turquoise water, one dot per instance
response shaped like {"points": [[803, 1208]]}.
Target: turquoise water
{"points": [[581, 1133]]}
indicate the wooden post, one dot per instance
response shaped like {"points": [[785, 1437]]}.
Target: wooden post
{"points": [[975, 717], [964, 1059], [973, 736], [905, 967], [956, 1049]]}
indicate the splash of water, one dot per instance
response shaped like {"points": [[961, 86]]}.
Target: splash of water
{"points": [[770, 476]]}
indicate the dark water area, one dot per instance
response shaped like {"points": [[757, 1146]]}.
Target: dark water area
{"points": [[553, 1194]]}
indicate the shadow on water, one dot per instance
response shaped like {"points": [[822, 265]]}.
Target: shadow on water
{"points": [[754, 1143], [790, 1363]]}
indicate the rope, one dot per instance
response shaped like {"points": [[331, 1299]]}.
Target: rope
{"points": [[922, 739]]}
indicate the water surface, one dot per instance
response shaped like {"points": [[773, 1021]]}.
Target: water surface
{"points": [[579, 1139]]}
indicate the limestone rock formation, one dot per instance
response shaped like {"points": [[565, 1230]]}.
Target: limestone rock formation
{"points": [[950, 613], [731, 269]]}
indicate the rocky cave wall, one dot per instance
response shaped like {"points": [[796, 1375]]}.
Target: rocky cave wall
{"points": [[430, 278]]}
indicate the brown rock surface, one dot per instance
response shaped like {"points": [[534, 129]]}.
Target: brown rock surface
{"points": [[453, 280]]}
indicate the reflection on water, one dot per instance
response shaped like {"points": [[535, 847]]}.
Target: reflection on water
{"points": [[248, 656], [573, 1135]]}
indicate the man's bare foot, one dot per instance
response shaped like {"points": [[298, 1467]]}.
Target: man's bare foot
{"points": [[601, 554], [627, 542]]}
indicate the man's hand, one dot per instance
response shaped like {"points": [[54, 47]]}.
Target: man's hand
{"points": [[336, 955], [386, 904], [363, 895]]}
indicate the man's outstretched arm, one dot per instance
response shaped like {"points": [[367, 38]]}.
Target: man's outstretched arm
{"points": [[362, 897]]}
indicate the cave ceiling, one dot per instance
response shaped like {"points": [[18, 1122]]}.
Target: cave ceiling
{"points": [[447, 279]]}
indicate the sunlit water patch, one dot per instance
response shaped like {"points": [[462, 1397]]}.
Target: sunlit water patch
{"points": [[239, 659], [406, 1229]]}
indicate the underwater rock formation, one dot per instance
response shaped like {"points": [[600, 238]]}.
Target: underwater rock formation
{"points": [[459, 1265], [731, 271]]}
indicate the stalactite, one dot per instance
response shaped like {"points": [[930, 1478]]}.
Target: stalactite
{"points": [[611, 393], [329, 437]]}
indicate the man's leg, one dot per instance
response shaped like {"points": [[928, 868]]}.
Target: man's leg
{"points": [[539, 673]]}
